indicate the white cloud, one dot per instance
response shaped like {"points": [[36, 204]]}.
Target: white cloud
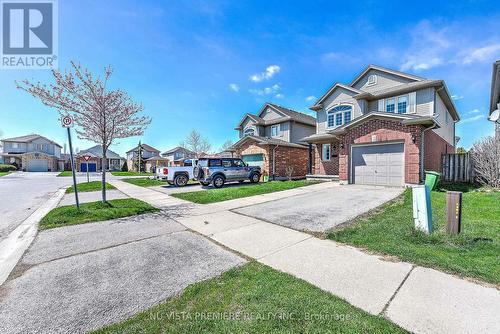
{"points": [[417, 64], [279, 96], [472, 119], [457, 97], [234, 87], [474, 111], [311, 98], [266, 91], [485, 53], [270, 71]]}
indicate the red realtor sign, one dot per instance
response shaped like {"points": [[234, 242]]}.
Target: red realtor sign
{"points": [[86, 157]]}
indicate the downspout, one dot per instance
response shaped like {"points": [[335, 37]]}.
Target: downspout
{"points": [[274, 162]]}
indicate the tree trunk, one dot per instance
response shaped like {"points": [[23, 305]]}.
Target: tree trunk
{"points": [[104, 167]]}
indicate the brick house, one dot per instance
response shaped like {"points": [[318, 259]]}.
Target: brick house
{"points": [[384, 128], [272, 139]]}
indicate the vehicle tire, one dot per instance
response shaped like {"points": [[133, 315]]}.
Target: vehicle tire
{"points": [[255, 178], [205, 183], [181, 180], [218, 181]]}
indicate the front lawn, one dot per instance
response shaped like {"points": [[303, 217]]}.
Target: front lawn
{"points": [[231, 192], [65, 173], [254, 299], [93, 212], [474, 253], [130, 174], [145, 182], [88, 186], [3, 173]]}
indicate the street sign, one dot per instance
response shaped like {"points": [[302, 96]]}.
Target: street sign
{"points": [[86, 157], [67, 122]]}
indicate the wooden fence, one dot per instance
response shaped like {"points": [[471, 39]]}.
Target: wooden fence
{"points": [[457, 167]]}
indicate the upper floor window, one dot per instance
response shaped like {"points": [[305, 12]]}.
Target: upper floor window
{"points": [[339, 115], [275, 130], [397, 104], [402, 104], [390, 105], [15, 145], [372, 80], [249, 132]]}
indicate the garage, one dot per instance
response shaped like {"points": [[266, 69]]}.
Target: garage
{"points": [[37, 165], [92, 167], [381, 164], [254, 159]]}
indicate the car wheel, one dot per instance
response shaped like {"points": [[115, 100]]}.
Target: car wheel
{"points": [[255, 178], [218, 182], [181, 180], [205, 183]]}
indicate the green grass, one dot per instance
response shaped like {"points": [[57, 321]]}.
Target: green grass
{"points": [[93, 212], [3, 173], [131, 174], [65, 173], [88, 186], [145, 182], [254, 299], [474, 253], [228, 192]]}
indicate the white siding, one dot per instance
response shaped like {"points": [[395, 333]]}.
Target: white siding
{"points": [[270, 114], [284, 131], [384, 80], [425, 102], [339, 96], [445, 121]]}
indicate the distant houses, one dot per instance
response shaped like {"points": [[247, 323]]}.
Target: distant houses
{"points": [[114, 163]]}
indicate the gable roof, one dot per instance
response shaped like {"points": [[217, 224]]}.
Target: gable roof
{"points": [[266, 141], [29, 139], [317, 105], [97, 152], [386, 70], [145, 147], [178, 148], [288, 115]]}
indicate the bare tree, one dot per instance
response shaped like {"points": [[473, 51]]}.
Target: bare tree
{"points": [[197, 143], [101, 115], [226, 146], [485, 155]]}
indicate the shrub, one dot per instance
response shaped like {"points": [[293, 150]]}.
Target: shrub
{"points": [[7, 168]]}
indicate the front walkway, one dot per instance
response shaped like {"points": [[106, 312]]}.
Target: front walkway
{"points": [[419, 299]]}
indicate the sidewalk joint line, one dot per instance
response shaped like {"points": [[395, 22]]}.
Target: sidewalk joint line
{"points": [[386, 306]]}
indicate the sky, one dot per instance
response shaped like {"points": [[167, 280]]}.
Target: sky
{"points": [[204, 64]]}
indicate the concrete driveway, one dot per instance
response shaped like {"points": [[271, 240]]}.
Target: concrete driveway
{"points": [[322, 210], [79, 278]]}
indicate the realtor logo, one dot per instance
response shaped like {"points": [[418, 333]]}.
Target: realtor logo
{"points": [[28, 34]]}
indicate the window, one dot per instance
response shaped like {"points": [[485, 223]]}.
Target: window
{"points": [[249, 132], [15, 145], [347, 117], [338, 119], [238, 163], [330, 120], [372, 80], [226, 163], [215, 163], [275, 130], [402, 104], [390, 105], [326, 152]]}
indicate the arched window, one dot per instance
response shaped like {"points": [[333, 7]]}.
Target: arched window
{"points": [[249, 132], [339, 115]]}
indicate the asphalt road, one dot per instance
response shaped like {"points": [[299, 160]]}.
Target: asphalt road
{"points": [[79, 278], [324, 209]]}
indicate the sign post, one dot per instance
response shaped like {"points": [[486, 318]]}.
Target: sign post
{"points": [[67, 122], [87, 158]]}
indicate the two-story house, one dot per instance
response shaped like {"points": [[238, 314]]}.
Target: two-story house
{"points": [[150, 154], [272, 139], [384, 128], [94, 164], [177, 155], [32, 153]]}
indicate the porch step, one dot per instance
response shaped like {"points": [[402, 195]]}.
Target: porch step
{"points": [[316, 177]]}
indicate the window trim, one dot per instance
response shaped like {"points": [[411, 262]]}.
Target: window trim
{"points": [[247, 130], [396, 101], [371, 83], [332, 113], [278, 130], [323, 146]]}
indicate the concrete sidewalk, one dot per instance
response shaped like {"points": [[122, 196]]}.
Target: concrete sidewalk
{"points": [[418, 299]]}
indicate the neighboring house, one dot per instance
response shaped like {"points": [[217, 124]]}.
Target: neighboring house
{"points": [[384, 128], [177, 155], [32, 153], [115, 162], [272, 139], [156, 161], [147, 152], [495, 94]]}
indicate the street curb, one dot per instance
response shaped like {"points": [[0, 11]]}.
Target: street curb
{"points": [[13, 247]]}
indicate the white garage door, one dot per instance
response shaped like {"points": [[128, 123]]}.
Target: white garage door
{"points": [[37, 165], [378, 164]]}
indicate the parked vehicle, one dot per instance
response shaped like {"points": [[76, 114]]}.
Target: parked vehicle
{"points": [[176, 175], [218, 171]]}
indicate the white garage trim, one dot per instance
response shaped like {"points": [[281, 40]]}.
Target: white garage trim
{"points": [[351, 155]]}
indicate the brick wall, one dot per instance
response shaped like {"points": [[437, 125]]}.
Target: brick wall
{"points": [[380, 131], [434, 146], [326, 167], [249, 147]]}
